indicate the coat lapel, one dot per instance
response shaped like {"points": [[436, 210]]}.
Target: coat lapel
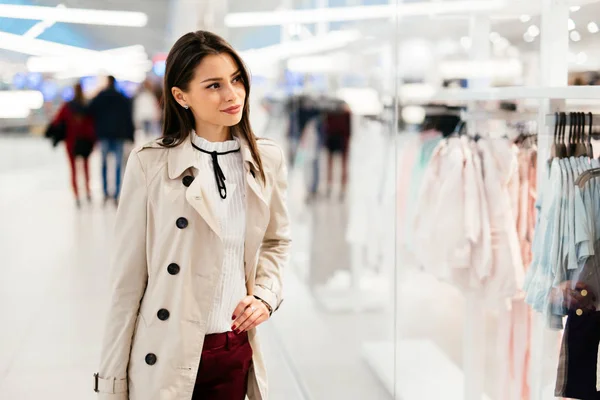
{"points": [[180, 159], [197, 199], [183, 157]]}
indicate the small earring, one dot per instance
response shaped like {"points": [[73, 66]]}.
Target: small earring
{"points": [[186, 106]]}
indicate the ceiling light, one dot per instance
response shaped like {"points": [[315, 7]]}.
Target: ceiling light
{"points": [[571, 24], [525, 18], [502, 44], [593, 27], [494, 36], [329, 14], [575, 36], [413, 114], [270, 55], [528, 38], [575, 8], [533, 31], [41, 26], [14, 112], [37, 47], [74, 15], [31, 99]]}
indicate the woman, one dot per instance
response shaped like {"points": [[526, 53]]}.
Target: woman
{"points": [[202, 236], [79, 138]]}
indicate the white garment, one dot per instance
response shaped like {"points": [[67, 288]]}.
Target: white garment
{"points": [[145, 107], [230, 213]]}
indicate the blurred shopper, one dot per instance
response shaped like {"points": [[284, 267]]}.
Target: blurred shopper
{"points": [[202, 237], [146, 111], [112, 112], [79, 137], [337, 126]]}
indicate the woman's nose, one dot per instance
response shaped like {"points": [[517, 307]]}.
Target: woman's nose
{"points": [[229, 93]]}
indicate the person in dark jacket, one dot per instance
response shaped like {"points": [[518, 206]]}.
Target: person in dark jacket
{"points": [[79, 138], [113, 117]]}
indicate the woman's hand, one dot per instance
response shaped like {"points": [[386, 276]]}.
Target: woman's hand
{"points": [[249, 314], [574, 297]]}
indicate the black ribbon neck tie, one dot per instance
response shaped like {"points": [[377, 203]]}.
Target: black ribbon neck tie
{"points": [[219, 175]]}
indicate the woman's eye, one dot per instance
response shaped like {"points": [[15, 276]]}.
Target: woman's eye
{"points": [[237, 78], [214, 86]]}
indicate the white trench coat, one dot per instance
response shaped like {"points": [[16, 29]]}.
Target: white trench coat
{"points": [[157, 265]]}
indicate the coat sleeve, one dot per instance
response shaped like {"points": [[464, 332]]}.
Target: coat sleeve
{"points": [[129, 277], [274, 251]]}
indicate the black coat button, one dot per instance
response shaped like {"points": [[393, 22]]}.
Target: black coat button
{"points": [[163, 314], [182, 223], [187, 180], [150, 359], [173, 269], [168, 141]]}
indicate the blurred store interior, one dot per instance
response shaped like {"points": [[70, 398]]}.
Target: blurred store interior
{"points": [[413, 275]]}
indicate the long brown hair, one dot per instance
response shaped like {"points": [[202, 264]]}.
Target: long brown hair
{"points": [[78, 95], [185, 55]]}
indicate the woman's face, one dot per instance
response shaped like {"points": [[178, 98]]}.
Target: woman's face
{"points": [[216, 93]]}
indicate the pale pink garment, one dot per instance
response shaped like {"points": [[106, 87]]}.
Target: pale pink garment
{"points": [[482, 245], [502, 186], [500, 168], [441, 243], [520, 313], [527, 197]]}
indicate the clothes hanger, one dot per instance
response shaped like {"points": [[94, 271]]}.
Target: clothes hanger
{"points": [[590, 148], [581, 145], [562, 150], [554, 148], [590, 174], [572, 145]]}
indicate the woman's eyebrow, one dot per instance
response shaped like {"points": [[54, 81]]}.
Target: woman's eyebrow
{"points": [[219, 79]]}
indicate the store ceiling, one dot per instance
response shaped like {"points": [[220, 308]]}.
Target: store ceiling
{"points": [[154, 37]]}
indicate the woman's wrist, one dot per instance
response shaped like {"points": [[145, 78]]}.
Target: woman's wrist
{"points": [[266, 305]]}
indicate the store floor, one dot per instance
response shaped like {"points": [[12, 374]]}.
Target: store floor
{"points": [[54, 295]]}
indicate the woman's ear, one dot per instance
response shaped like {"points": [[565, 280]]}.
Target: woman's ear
{"points": [[179, 96]]}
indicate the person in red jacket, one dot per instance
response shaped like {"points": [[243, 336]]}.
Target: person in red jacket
{"points": [[80, 137]]}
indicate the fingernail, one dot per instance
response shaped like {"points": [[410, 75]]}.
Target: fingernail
{"points": [[233, 318], [233, 328], [237, 331]]}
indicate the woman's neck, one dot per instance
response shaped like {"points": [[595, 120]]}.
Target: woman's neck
{"points": [[213, 133]]}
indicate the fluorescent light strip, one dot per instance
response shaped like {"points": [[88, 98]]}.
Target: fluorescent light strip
{"points": [[74, 15], [236, 20], [37, 47], [31, 99], [274, 53], [41, 26]]}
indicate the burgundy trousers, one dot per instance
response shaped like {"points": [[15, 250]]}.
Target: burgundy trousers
{"points": [[223, 372]]}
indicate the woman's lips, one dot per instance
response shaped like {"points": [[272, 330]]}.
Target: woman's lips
{"points": [[232, 110]]}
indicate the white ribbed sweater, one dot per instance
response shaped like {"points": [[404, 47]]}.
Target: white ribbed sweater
{"points": [[231, 216]]}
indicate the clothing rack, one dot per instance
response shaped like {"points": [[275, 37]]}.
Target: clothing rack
{"points": [[551, 120], [497, 115]]}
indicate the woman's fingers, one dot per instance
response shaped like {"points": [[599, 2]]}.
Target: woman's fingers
{"points": [[254, 320], [253, 315], [241, 307]]}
